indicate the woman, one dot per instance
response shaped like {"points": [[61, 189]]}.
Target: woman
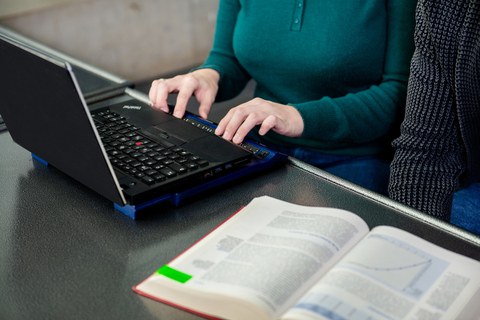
{"points": [[330, 79]]}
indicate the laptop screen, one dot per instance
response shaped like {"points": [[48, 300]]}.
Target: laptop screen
{"points": [[45, 113]]}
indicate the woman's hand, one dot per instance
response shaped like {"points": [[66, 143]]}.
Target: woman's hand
{"points": [[203, 84], [282, 119]]}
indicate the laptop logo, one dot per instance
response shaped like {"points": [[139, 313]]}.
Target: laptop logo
{"points": [[132, 107]]}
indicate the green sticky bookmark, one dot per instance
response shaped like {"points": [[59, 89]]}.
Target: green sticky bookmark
{"points": [[174, 274]]}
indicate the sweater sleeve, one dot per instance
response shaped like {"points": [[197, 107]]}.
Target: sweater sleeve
{"points": [[369, 114], [233, 77], [428, 157]]}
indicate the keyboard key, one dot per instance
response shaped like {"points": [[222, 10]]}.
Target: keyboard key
{"points": [[178, 168], [202, 162], [191, 166], [148, 180], [151, 172], [169, 173], [159, 177]]}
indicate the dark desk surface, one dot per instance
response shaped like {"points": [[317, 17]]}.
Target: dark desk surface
{"points": [[66, 254]]}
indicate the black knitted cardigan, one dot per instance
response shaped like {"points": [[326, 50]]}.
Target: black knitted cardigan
{"points": [[438, 150]]}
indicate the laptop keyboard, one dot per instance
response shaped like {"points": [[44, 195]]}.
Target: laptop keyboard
{"points": [[140, 157]]}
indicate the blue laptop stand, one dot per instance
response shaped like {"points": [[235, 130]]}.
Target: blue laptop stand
{"points": [[264, 158]]}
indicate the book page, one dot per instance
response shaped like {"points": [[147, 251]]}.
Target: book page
{"points": [[392, 274], [269, 253]]}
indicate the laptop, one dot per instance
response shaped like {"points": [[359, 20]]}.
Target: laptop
{"points": [[118, 146]]}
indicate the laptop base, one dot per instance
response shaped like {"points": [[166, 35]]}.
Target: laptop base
{"points": [[178, 198]]}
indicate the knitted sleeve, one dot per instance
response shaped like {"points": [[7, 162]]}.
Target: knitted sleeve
{"points": [[429, 153]]}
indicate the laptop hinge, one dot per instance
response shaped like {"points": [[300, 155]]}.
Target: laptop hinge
{"points": [[106, 95]]}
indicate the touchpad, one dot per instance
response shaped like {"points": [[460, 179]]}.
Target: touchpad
{"points": [[213, 148], [181, 129]]}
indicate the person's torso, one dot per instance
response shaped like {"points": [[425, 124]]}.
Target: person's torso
{"points": [[304, 50]]}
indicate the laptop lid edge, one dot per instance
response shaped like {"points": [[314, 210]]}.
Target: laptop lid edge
{"points": [[97, 136]]}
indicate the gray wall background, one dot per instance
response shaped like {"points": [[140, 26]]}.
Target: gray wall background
{"points": [[134, 39]]}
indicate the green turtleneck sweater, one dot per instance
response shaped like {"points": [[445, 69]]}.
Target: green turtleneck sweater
{"points": [[343, 64]]}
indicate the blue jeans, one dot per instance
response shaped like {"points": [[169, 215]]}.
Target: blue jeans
{"points": [[369, 172], [466, 208]]}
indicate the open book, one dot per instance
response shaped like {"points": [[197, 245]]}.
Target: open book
{"points": [[277, 260]]}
